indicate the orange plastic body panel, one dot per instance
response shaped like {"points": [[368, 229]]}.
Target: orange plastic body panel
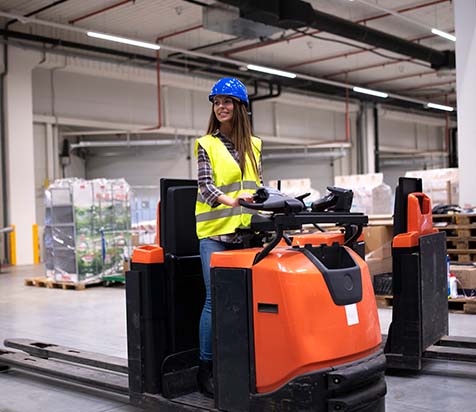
{"points": [[234, 258], [419, 221], [405, 240], [310, 331], [148, 254]]}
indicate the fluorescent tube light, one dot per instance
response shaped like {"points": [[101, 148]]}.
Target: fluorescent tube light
{"points": [[370, 91], [124, 40], [443, 34], [440, 107], [270, 71]]}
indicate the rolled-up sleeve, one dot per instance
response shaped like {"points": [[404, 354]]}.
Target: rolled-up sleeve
{"points": [[206, 184]]}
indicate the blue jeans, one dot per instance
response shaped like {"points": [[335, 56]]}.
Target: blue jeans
{"points": [[207, 247]]}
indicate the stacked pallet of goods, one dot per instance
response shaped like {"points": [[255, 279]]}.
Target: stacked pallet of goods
{"points": [[87, 229]]}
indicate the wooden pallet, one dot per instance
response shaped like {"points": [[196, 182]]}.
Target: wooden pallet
{"points": [[384, 301], [38, 282], [465, 305], [460, 232], [49, 283]]}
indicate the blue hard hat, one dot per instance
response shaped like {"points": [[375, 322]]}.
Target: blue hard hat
{"points": [[229, 86]]}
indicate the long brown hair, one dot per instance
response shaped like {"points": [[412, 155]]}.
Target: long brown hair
{"points": [[240, 133]]}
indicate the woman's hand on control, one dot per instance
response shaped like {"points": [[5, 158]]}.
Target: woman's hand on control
{"points": [[247, 197], [235, 202]]}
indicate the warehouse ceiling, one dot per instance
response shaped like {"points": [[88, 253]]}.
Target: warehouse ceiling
{"points": [[330, 45]]}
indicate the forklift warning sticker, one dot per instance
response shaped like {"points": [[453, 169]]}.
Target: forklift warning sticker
{"points": [[351, 314]]}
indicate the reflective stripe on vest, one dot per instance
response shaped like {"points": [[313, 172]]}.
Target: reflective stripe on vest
{"points": [[220, 220], [233, 187], [218, 214]]}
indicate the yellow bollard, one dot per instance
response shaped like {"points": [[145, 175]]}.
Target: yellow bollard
{"points": [[13, 246], [36, 244]]}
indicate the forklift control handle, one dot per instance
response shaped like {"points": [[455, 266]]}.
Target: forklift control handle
{"points": [[291, 214]]}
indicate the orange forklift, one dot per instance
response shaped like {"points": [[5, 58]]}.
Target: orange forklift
{"points": [[418, 334], [295, 322]]}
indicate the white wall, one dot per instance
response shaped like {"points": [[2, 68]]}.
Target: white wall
{"points": [[416, 136], [465, 24], [104, 94], [20, 148], [141, 166], [413, 137], [39, 134], [91, 97], [274, 118], [76, 95]]}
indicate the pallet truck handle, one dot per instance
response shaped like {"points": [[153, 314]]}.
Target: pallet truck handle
{"points": [[270, 246]]}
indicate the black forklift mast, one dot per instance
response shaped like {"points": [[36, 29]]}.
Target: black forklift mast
{"points": [[165, 324], [419, 328], [420, 300]]}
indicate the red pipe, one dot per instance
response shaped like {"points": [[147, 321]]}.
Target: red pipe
{"points": [[159, 111], [159, 105], [323, 59], [439, 94], [427, 85], [94, 13], [370, 66], [165, 36], [347, 117], [298, 36], [405, 9], [447, 128], [350, 53], [405, 76], [264, 43]]}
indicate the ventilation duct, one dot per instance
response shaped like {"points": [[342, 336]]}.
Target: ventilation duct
{"points": [[227, 19], [291, 14]]}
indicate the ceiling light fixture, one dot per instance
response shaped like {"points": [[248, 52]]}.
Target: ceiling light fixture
{"points": [[270, 71], [370, 91], [123, 40], [439, 107], [443, 34]]}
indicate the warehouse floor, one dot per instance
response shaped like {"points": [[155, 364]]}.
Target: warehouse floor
{"points": [[94, 320]]}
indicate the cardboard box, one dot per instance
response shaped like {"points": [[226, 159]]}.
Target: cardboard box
{"points": [[371, 195], [378, 266], [441, 185], [377, 237], [466, 275], [382, 252], [135, 239]]}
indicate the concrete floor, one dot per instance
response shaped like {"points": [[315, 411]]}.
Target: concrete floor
{"points": [[94, 320]]}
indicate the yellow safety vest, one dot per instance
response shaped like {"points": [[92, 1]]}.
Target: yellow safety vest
{"points": [[221, 220]]}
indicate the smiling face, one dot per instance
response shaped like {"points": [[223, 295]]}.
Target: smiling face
{"points": [[223, 109]]}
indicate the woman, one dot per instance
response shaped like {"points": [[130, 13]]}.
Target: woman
{"points": [[229, 169]]}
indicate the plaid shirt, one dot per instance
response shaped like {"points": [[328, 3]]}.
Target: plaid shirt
{"points": [[206, 184]]}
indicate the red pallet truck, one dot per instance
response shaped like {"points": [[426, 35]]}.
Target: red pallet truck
{"points": [[418, 333], [295, 326], [295, 323]]}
